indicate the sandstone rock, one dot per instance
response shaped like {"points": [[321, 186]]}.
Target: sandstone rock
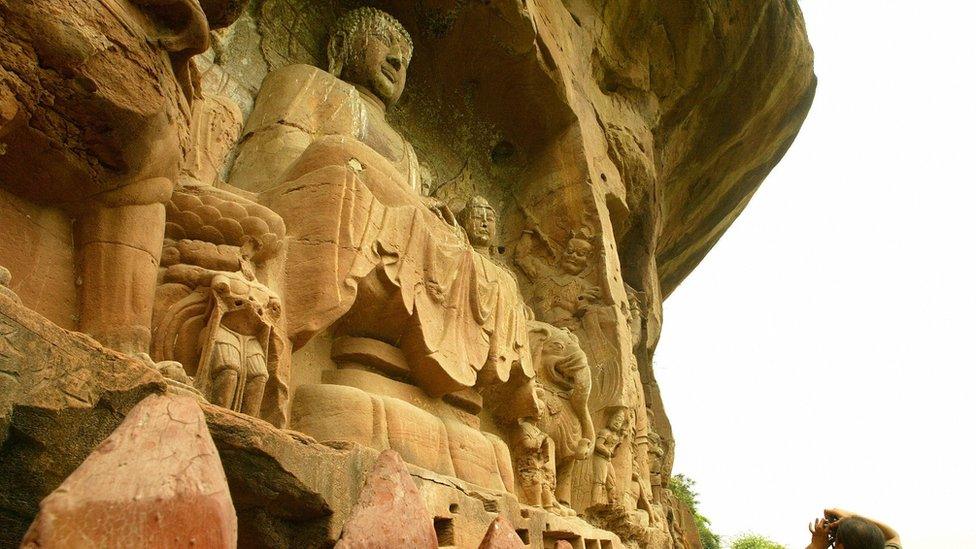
{"points": [[5, 285], [156, 481], [390, 512], [501, 535], [61, 394], [735, 82], [285, 489], [605, 144], [290, 491]]}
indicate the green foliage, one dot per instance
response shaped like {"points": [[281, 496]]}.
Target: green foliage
{"points": [[683, 488], [709, 539], [755, 541]]}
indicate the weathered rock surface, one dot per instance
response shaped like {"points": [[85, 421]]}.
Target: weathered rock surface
{"points": [[389, 512], [290, 491], [735, 82], [501, 535], [612, 142], [61, 394], [156, 481], [284, 487]]}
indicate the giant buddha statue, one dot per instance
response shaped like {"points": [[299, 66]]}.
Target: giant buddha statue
{"points": [[416, 321]]}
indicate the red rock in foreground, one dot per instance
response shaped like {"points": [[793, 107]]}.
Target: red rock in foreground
{"points": [[156, 481], [390, 511], [501, 535]]}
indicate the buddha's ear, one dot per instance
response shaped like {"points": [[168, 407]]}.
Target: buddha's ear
{"points": [[337, 53]]}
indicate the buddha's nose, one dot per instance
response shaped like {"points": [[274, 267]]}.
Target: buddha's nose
{"points": [[394, 61]]}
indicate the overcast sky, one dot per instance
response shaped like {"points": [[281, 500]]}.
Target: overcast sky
{"points": [[823, 353]]}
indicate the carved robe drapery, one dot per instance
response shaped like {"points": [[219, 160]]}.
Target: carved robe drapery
{"points": [[347, 186], [352, 213]]}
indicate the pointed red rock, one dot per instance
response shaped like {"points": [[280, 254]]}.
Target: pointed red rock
{"points": [[156, 481], [501, 535], [390, 511]]}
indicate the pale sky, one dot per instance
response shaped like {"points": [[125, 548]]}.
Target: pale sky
{"points": [[823, 353]]}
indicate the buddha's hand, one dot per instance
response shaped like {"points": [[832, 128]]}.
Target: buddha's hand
{"points": [[441, 210]]}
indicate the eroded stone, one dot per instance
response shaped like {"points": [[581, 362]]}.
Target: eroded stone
{"points": [[390, 512], [61, 394], [156, 481], [501, 535]]}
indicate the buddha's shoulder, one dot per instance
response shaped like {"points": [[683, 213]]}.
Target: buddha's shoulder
{"points": [[299, 76], [302, 95]]}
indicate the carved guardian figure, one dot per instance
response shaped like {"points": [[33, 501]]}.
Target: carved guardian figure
{"points": [[94, 118], [563, 377]]}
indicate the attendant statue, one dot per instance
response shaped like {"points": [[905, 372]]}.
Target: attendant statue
{"points": [[608, 441], [95, 120], [417, 319], [479, 224], [534, 465]]}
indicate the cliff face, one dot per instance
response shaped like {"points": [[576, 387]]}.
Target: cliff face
{"points": [[637, 130], [652, 123], [736, 83]]}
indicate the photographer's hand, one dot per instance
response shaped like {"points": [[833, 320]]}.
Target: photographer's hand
{"points": [[819, 534]]}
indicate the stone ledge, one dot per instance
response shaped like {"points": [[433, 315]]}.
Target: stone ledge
{"points": [[62, 394]]}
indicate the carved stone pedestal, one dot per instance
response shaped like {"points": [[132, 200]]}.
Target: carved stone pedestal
{"points": [[362, 403]]}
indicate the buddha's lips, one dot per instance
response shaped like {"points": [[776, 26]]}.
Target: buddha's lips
{"points": [[389, 74]]}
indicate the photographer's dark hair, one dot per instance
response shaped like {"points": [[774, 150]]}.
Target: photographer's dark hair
{"points": [[857, 533]]}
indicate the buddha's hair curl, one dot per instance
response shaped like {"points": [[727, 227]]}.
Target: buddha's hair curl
{"points": [[361, 22]]}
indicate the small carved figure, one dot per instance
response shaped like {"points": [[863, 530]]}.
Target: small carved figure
{"points": [[655, 457], [562, 295], [607, 442], [677, 534], [635, 316], [639, 494], [212, 312], [233, 367], [534, 465]]}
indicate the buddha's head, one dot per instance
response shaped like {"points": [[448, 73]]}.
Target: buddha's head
{"points": [[478, 220], [371, 49]]}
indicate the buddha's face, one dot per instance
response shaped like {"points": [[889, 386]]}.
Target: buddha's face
{"points": [[380, 65], [576, 256], [480, 226]]}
